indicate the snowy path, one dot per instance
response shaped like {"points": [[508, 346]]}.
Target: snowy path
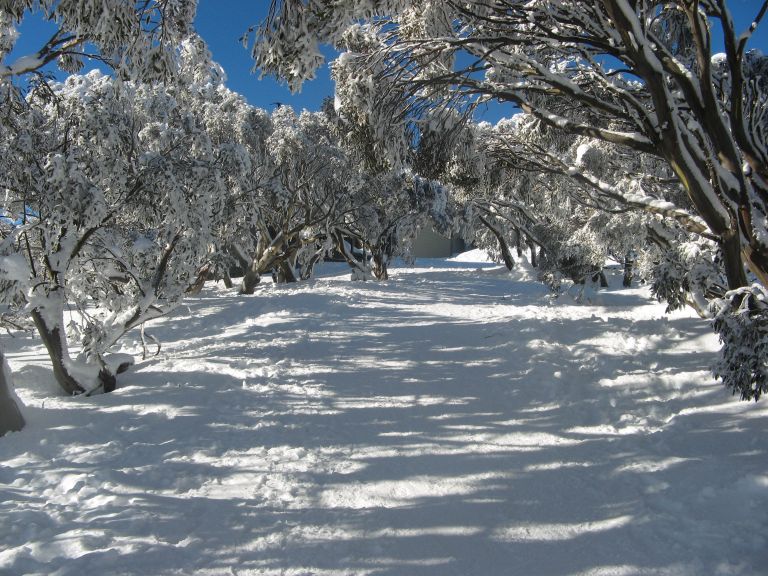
{"points": [[447, 422]]}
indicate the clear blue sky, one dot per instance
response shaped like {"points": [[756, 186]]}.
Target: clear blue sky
{"points": [[222, 22]]}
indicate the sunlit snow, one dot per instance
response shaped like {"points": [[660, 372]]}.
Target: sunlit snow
{"points": [[454, 420]]}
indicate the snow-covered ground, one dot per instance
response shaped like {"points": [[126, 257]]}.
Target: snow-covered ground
{"points": [[451, 421]]}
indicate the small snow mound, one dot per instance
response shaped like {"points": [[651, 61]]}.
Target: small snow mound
{"points": [[476, 255], [119, 362]]}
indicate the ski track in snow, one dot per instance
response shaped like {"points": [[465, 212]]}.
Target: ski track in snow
{"points": [[451, 421]]}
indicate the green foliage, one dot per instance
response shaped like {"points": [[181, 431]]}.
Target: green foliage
{"points": [[741, 321]]}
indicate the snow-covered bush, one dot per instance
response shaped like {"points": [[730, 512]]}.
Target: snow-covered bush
{"points": [[741, 321], [687, 273], [122, 179]]}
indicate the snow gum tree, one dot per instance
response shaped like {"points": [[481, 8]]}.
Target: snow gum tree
{"points": [[394, 207], [121, 180], [392, 202], [639, 75], [582, 200], [239, 131], [137, 39], [386, 219]]}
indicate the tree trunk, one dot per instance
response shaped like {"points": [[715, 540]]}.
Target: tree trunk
{"points": [[360, 270], [309, 268], [56, 345], [250, 266], [600, 276], [11, 419], [519, 244], [196, 286], [534, 257], [108, 380], [506, 254], [251, 278], [732, 262], [629, 265], [380, 266], [57, 351], [285, 272]]}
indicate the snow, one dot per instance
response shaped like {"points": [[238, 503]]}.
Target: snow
{"points": [[25, 64], [13, 268], [581, 151], [454, 420]]}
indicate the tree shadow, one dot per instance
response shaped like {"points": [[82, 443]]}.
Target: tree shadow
{"points": [[367, 430]]}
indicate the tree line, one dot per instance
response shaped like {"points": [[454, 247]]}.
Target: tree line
{"points": [[626, 108], [124, 192]]}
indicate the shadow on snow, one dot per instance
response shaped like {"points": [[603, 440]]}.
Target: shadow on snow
{"points": [[365, 430]]}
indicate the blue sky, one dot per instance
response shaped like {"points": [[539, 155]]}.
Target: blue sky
{"points": [[222, 28], [222, 22]]}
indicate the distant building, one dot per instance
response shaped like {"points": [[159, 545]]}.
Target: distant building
{"points": [[430, 244]]}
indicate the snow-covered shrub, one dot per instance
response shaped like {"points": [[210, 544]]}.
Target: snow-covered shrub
{"points": [[687, 273], [121, 180], [741, 321]]}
